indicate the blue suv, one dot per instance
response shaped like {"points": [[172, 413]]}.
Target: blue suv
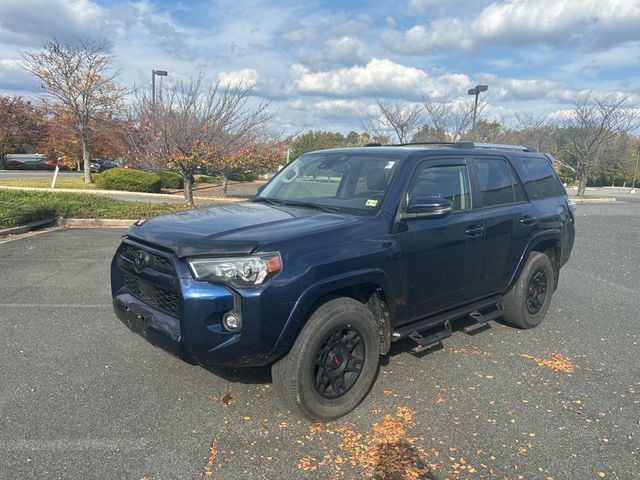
{"points": [[343, 252]]}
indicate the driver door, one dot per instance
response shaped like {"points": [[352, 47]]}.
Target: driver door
{"points": [[441, 256]]}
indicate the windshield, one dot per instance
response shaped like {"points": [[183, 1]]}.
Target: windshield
{"points": [[349, 182]]}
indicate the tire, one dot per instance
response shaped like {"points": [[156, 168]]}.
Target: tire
{"points": [[299, 377], [525, 305]]}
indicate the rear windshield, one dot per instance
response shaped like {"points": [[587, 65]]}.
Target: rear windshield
{"points": [[539, 178]]}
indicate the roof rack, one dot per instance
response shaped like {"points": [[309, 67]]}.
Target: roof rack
{"points": [[493, 146], [421, 143], [462, 145]]}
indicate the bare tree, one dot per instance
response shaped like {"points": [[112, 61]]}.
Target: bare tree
{"points": [[591, 124], [402, 118], [79, 77], [193, 126], [428, 133], [452, 117], [536, 131]]}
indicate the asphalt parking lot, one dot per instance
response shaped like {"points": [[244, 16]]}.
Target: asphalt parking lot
{"points": [[83, 397]]}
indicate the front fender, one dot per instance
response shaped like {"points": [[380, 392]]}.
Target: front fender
{"points": [[302, 308]]}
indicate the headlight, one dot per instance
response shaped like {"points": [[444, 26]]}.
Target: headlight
{"points": [[239, 272]]}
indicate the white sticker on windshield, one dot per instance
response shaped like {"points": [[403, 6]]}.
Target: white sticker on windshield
{"points": [[371, 203], [390, 164]]}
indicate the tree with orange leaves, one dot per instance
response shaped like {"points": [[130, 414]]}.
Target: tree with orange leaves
{"points": [[78, 77], [61, 139], [192, 127]]}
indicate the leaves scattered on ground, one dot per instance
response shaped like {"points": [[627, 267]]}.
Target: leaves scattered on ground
{"points": [[227, 399], [556, 362], [208, 468], [385, 452]]}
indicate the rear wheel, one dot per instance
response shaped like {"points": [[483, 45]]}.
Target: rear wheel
{"points": [[332, 364], [526, 304]]}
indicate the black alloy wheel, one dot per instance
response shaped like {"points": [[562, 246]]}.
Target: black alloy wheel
{"points": [[536, 292], [338, 362]]}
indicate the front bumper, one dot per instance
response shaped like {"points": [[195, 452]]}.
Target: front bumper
{"points": [[156, 327], [190, 325]]}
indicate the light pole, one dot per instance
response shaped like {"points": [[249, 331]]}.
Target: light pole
{"points": [[160, 73], [476, 91], [635, 172]]}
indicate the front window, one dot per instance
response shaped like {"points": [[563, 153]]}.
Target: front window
{"points": [[333, 181]]}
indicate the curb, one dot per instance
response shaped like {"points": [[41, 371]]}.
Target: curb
{"points": [[27, 228], [94, 222], [593, 200], [121, 192]]}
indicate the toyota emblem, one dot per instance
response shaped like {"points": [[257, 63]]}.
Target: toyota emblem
{"points": [[141, 260]]}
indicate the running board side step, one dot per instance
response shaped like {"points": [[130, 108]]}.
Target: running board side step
{"points": [[435, 337], [442, 320]]}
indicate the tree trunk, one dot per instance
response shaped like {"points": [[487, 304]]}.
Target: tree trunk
{"points": [[188, 188], [85, 156], [582, 186], [225, 184]]}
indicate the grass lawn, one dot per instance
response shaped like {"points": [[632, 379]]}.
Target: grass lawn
{"points": [[21, 207], [75, 182]]}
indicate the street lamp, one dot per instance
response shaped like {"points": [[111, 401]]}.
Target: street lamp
{"points": [[635, 172], [160, 73], [476, 91]]}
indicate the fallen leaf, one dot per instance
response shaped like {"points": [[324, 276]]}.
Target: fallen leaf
{"points": [[557, 362], [227, 399]]}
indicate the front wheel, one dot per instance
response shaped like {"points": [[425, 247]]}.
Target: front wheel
{"points": [[526, 304], [332, 364]]}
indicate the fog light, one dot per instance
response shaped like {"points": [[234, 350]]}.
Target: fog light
{"points": [[232, 321]]}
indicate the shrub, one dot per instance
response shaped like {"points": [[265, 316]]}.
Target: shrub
{"points": [[242, 177], [128, 179], [18, 207], [13, 214], [171, 179]]}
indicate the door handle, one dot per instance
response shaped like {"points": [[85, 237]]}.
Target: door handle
{"points": [[474, 231], [528, 220]]}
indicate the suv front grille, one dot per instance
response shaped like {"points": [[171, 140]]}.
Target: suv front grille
{"points": [[160, 298], [156, 262]]}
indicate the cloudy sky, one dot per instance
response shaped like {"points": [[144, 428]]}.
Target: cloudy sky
{"points": [[321, 63]]}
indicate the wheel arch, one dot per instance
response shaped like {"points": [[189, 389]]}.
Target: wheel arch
{"points": [[371, 287], [549, 243]]}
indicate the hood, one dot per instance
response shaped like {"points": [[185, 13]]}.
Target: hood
{"points": [[236, 228]]}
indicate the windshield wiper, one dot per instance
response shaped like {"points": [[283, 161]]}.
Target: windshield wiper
{"points": [[277, 201], [324, 208], [270, 201]]}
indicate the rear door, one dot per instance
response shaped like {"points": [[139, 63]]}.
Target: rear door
{"points": [[509, 220], [441, 257]]}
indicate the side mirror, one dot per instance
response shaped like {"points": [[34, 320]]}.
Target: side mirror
{"points": [[421, 206]]}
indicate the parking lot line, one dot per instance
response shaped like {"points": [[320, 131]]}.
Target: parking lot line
{"points": [[56, 305], [74, 444]]}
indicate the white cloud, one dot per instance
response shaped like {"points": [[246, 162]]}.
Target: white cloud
{"points": [[379, 77], [66, 20], [551, 22], [247, 77]]}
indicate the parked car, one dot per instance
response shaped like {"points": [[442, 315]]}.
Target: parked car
{"points": [[343, 252], [100, 165], [132, 164], [26, 161], [51, 164]]}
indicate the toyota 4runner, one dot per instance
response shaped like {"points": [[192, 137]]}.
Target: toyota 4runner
{"points": [[343, 252]]}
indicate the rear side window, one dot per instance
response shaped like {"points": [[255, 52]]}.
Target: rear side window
{"points": [[539, 178], [497, 183]]}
